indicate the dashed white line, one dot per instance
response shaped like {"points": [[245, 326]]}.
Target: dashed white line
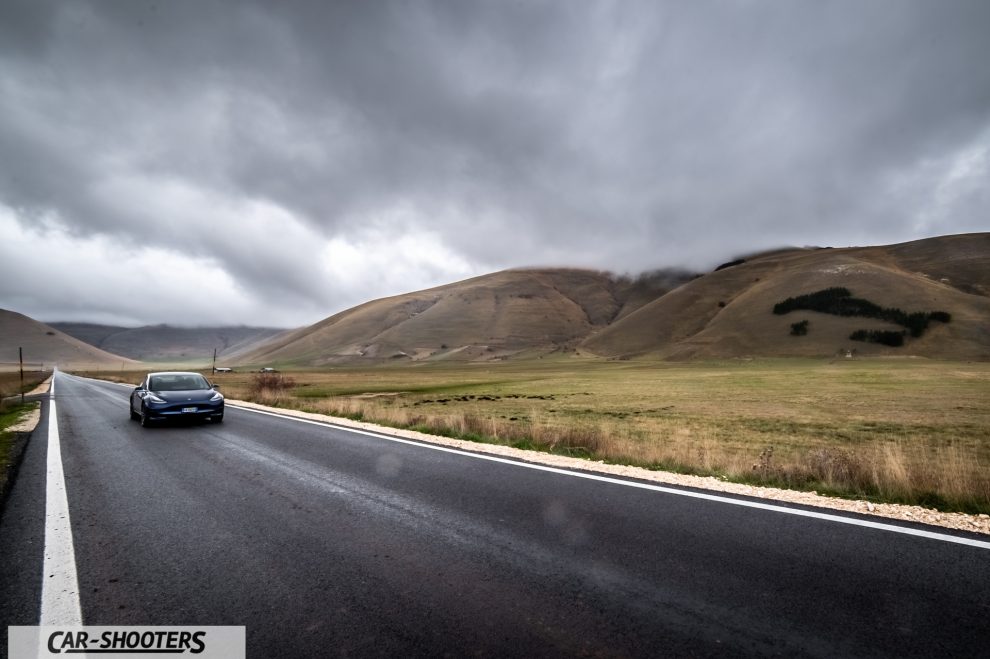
{"points": [[60, 587]]}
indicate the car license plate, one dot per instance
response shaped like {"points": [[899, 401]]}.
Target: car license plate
{"points": [[188, 409]]}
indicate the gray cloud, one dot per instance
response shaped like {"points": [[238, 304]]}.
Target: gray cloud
{"points": [[261, 142]]}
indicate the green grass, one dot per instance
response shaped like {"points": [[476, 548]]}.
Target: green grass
{"points": [[12, 414], [9, 417]]}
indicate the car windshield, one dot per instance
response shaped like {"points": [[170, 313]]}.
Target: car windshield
{"points": [[178, 382]]}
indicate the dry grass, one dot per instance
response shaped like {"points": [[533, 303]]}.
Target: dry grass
{"points": [[270, 388], [910, 431], [10, 384], [946, 477]]}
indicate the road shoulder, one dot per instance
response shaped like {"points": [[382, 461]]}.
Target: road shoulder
{"points": [[914, 514], [19, 435], [979, 524]]}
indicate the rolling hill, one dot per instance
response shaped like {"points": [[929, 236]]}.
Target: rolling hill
{"points": [[726, 313], [43, 344], [513, 313], [528, 313], [165, 343], [729, 312]]}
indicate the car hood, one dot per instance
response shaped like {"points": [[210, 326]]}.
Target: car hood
{"points": [[185, 396]]}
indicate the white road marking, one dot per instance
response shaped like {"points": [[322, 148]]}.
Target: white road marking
{"points": [[933, 535], [839, 519], [60, 585]]}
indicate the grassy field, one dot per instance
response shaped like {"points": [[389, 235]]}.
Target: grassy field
{"points": [[908, 430], [10, 383]]}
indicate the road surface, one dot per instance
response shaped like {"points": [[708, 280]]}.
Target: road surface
{"points": [[326, 542]]}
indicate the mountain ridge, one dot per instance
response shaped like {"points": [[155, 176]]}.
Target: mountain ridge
{"points": [[44, 345], [498, 315], [725, 313], [665, 314], [160, 343], [728, 313]]}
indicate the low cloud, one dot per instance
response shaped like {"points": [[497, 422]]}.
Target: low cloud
{"points": [[308, 156]]}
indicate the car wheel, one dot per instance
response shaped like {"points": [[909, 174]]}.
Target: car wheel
{"points": [[134, 415], [218, 419], [145, 421]]}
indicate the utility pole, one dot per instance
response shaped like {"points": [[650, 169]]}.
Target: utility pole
{"points": [[214, 361], [20, 358]]}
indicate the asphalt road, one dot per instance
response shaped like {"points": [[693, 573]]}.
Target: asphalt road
{"points": [[325, 542]]}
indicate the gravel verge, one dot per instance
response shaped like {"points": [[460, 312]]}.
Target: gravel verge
{"points": [[958, 521], [30, 421]]}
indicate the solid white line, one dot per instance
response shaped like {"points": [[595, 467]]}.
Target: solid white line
{"points": [[853, 521], [60, 585], [933, 535]]}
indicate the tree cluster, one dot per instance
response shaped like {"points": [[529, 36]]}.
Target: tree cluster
{"points": [[730, 264], [885, 337], [839, 301]]}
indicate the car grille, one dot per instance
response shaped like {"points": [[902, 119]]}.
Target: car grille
{"points": [[200, 407]]}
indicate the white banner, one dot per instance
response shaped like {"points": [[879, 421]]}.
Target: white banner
{"points": [[126, 642]]}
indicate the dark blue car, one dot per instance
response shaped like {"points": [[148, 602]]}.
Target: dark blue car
{"points": [[176, 395]]}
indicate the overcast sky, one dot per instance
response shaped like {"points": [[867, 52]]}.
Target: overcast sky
{"points": [[272, 163]]}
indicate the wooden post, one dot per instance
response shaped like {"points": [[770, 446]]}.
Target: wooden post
{"points": [[214, 361], [20, 358]]}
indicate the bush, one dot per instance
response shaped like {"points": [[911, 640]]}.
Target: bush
{"points": [[799, 329], [835, 467], [269, 387]]}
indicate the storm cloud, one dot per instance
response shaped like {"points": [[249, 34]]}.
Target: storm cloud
{"points": [[275, 162]]}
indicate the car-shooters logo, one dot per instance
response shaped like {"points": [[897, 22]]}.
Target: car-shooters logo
{"points": [[123, 642]]}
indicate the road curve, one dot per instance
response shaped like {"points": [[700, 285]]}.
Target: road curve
{"points": [[325, 542]]}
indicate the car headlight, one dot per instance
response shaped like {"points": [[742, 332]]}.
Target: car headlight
{"points": [[217, 397], [155, 399]]}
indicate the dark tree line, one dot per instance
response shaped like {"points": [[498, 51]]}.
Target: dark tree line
{"points": [[730, 264], [839, 301], [885, 337]]}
